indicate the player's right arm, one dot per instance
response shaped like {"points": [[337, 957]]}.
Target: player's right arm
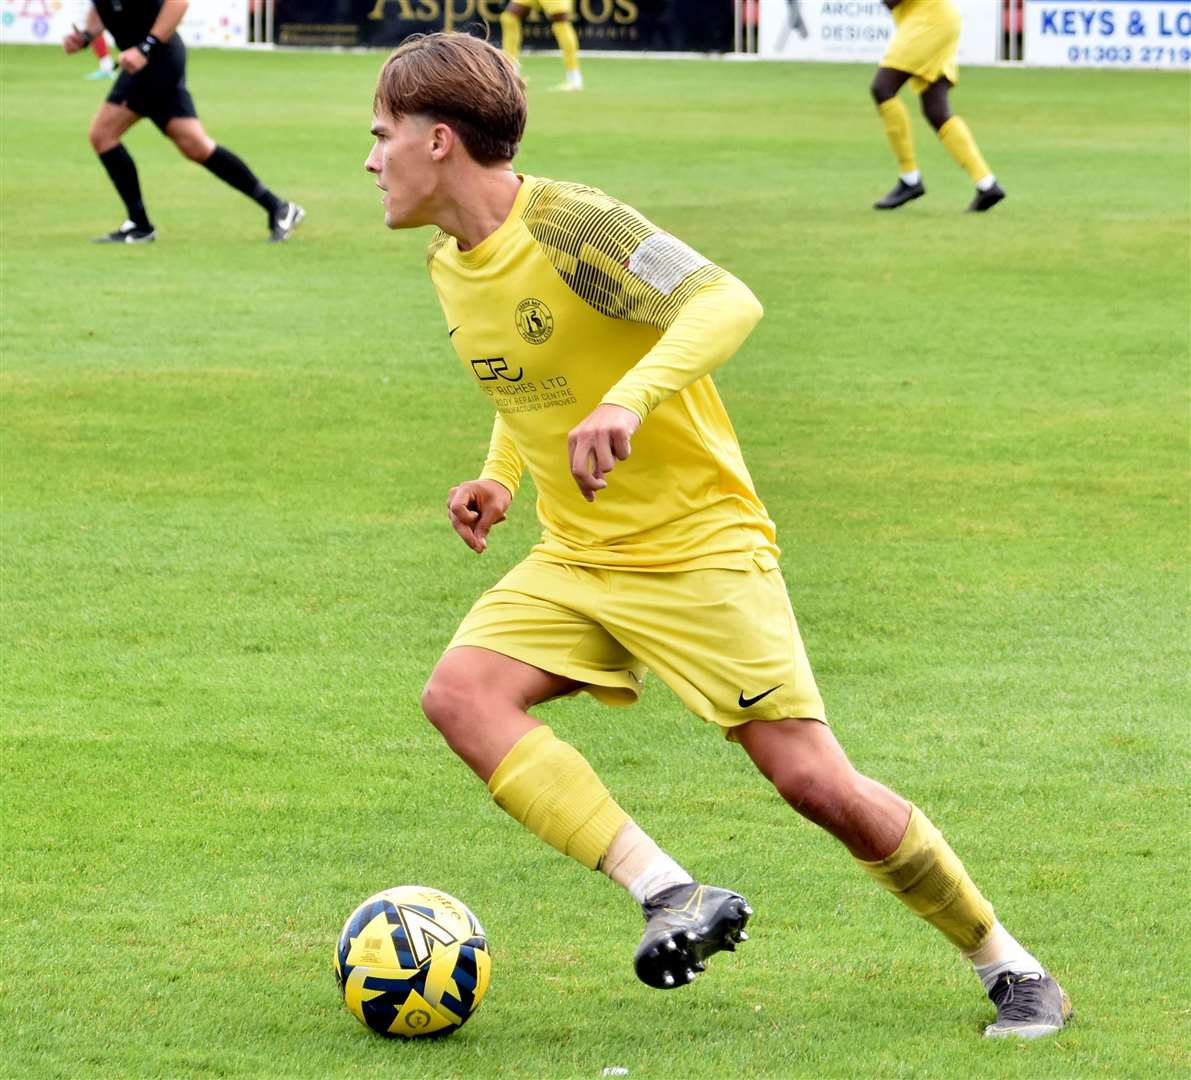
{"points": [[476, 505], [91, 29]]}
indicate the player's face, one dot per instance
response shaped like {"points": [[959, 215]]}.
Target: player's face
{"points": [[404, 161]]}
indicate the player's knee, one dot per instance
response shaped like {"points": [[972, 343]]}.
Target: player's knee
{"points": [[101, 139], [819, 791], [797, 782], [448, 701], [936, 113], [881, 90], [195, 148]]}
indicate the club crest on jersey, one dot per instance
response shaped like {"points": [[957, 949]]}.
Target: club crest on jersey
{"points": [[534, 322]]}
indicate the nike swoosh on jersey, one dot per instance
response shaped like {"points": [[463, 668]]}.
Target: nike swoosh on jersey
{"points": [[451, 333], [745, 702]]}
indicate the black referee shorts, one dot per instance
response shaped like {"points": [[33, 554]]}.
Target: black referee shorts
{"points": [[158, 91]]}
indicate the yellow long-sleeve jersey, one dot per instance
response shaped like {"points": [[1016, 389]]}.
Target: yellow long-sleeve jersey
{"points": [[931, 11], [576, 299]]}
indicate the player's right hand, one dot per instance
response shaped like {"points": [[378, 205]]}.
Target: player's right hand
{"points": [[73, 42], [474, 507]]}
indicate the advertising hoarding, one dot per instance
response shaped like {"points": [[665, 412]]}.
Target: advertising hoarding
{"points": [[47, 22], [860, 30], [1110, 33]]}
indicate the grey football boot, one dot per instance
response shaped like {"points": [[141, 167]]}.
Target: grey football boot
{"points": [[684, 925], [1028, 1006]]}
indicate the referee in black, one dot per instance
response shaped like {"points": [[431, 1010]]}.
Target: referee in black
{"points": [[152, 83]]}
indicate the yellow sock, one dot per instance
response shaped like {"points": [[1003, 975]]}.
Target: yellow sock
{"points": [[549, 787], [929, 879], [568, 42], [958, 140], [897, 128], [510, 34]]}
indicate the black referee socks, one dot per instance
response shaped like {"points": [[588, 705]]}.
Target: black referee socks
{"points": [[231, 170], [122, 170]]}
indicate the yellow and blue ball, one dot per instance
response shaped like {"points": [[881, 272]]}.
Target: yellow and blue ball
{"points": [[412, 961]]}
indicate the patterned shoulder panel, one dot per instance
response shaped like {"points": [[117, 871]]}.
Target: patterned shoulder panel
{"points": [[436, 242], [614, 259]]}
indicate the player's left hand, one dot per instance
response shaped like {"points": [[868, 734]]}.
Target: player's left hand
{"points": [[132, 60], [598, 443]]}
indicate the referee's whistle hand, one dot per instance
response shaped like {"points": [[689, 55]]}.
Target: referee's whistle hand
{"points": [[132, 60], [598, 443], [474, 507]]}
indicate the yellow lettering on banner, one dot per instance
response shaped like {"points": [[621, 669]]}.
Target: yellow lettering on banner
{"points": [[626, 12], [424, 11], [457, 11], [454, 13], [588, 10], [404, 10]]}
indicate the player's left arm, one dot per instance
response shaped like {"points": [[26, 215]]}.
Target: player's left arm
{"points": [[163, 28], [704, 313], [705, 332]]}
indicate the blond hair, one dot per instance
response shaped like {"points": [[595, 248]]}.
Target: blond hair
{"points": [[461, 81]]}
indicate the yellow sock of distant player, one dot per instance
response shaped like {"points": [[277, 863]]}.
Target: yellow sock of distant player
{"points": [[510, 34], [925, 874], [897, 128], [549, 787], [958, 140], [568, 42]]}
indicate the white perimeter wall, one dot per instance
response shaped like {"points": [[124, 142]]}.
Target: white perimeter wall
{"points": [[47, 22], [860, 30]]}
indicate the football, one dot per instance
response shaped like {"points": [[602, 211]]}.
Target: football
{"points": [[412, 961]]}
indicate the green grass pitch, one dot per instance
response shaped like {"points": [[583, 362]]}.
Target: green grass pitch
{"points": [[227, 571]]}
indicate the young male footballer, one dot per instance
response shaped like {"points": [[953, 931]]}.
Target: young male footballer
{"points": [[923, 51], [152, 83], [594, 333], [559, 12]]}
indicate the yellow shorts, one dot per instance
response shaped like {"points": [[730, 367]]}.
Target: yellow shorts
{"points": [[550, 7], [725, 641], [926, 43]]}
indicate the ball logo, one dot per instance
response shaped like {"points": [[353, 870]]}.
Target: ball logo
{"points": [[419, 1018], [534, 321], [423, 933]]}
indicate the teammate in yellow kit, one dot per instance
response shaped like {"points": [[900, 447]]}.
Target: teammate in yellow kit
{"points": [[923, 51], [593, 333], [560, 13]]}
